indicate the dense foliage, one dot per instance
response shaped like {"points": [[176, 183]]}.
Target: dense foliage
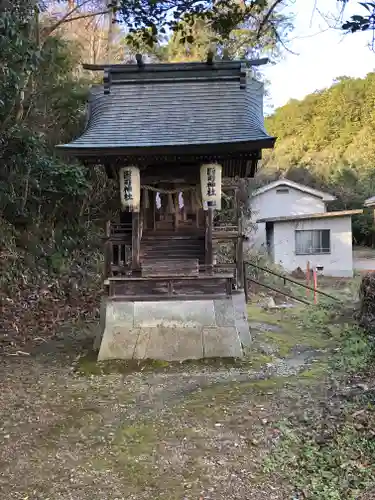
{"points": [[326, 141], [43, 103]]}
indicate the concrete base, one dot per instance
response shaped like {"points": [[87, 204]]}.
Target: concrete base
{"points": [[173, 330]]}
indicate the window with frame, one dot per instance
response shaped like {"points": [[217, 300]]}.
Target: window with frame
{"points": [[311, 242]]}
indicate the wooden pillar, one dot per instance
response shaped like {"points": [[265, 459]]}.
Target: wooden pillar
{"points": [[151, 207], [239, 262], [208, 238], [239, 241], [108, 252], [176, 212], [136, 241], [184, 207], [143, 211]]}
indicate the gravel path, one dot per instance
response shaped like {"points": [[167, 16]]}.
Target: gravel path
{"points": [[188, 433], [364, 264]]}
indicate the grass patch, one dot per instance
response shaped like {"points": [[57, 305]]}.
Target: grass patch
{"points": [[355, 351], [258, 314], [136, 451], [214, 400], [317, 371], [331, 454], [305, 328], [335, 466], [309, 327], [258, 360], [318, 327]]}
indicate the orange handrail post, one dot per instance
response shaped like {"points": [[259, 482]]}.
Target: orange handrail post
{"points": [[308, 278], [315, 277]]}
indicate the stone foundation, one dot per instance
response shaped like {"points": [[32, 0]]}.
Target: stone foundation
{"points": [[173, 330]]}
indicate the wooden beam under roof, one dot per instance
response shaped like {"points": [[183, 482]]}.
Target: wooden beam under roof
{"points": [[162, 67]]}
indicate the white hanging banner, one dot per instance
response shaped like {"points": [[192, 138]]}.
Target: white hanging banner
{"points": [[211, 185], [130, 188]]}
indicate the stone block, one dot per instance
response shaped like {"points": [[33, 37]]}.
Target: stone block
{"points": [[120, 313], [118, 342], [169, 344], [221, 342], [174, 314], [224, 312], [103, 313], [240, 318], [173, 330]]}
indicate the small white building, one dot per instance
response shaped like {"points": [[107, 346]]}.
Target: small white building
{"points": [[323, 239], [283, 198], [370, 202]]}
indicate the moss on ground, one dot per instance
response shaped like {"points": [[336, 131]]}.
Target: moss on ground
{"points": [[298, 327], [318, 371], [256, 313]]}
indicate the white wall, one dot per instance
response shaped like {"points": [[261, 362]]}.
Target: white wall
{"points": [[273, 204], [338, 263]]}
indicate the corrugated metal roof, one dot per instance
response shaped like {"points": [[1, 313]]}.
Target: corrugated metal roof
{"points": [[320, 215], [294, 185], [370, 202], [175, 113]]}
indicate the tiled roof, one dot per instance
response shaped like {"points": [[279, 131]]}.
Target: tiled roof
{"points": [[186, 110]]}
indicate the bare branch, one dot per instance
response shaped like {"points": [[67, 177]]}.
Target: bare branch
{"points": [[85, 16], [67, 19], [266, 18], [279, 39]]}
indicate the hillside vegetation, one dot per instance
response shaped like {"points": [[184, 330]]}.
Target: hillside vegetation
{"points": [[327, 141]]}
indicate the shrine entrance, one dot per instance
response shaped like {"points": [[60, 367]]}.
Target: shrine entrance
{"points": [[174, 212], [171, 136]]}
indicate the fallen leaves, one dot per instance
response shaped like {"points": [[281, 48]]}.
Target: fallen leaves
{"points": [[35, 305]]}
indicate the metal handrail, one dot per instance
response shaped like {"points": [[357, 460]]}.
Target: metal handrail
{"points": [[286, 278]]}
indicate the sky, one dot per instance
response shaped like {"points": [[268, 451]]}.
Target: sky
{"points": [[322, 54]]}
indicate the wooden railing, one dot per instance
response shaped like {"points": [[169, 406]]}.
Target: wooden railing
{"points": [[118, 247], [119, 229], [167, 288], [117, 258]]}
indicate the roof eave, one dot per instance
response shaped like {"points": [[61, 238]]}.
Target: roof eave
{"points": [[188, 149], [187, 66]]}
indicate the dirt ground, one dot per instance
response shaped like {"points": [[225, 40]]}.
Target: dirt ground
{"points": [[363, 253], [364, 259], [73, 430]]}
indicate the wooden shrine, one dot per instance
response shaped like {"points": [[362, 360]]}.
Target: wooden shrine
{"points": [[176, 138]]}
